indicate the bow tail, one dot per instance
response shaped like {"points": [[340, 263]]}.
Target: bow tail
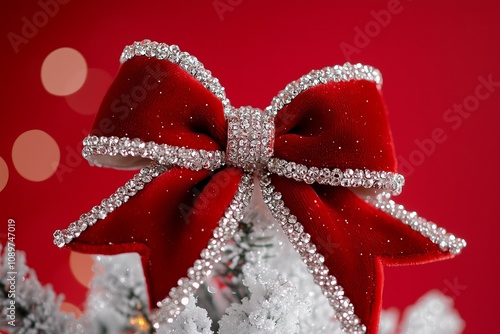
{"points": [[236, 199], [345, 242], [171, 222]]}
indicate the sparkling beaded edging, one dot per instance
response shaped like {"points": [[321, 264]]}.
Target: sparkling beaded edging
{"points": [[250, 138], [193, 66], [438, 235], [301, 242], [335, 177], [337, 73], [99, 212], [178, 297], [162, 154], [189, 63]]}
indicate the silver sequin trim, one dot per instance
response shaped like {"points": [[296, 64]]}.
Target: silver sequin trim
{"points": [[178, 297], [163, 154], [250, 139], [187, 62], [438, 235], [314, 261], [336, 177], [337, 73], [193, 66], [99, 212]]}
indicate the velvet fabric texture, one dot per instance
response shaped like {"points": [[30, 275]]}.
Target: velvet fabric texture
{"points": [[335, 125], [356, 240]]}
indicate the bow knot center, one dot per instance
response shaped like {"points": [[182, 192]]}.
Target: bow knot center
{"points": [[250, 139]]}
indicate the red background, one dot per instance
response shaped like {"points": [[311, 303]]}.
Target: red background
{"points": [[430, 54]]}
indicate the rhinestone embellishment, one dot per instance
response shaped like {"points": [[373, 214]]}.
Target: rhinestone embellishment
{"points": [[177, 299], [337, 73], [354, 178], [99, 212], [301, 242], [438, 235], [193, 66], [250, 139], [186, 61], [162, 154]]}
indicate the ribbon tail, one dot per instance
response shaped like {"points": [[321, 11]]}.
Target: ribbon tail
{"points": [[108, 205], [314, 260], [448, 242], [227, 226], [345, 242], [169, 223]]}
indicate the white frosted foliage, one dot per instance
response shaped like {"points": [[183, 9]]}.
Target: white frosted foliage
{"points": [[192, 320], [432, 313], [388, 321], [273, 307], [283, 297], [117, 293], [27, 306]]}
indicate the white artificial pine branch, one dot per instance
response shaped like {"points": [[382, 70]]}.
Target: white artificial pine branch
{"points": [[283, 297], [117, 294], [36, 306], [388, 321], [432, 313], [193, 320], [273, 307]]}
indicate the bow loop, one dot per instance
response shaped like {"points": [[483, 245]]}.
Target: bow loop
{"points": [[186, 205], [157, 101], [336, 125]]}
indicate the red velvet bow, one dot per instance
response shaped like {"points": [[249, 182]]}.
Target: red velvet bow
{"points": [[330, 134]]}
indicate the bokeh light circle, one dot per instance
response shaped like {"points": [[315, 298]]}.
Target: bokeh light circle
{"points": [[70, 308], [4, 173], [63, 71], [88, 99], [81, 267], [35, 155]]}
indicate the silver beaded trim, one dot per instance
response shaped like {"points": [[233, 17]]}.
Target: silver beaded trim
{"points": [[178, 297], [162, 154], [438, 235], [335, 177], [337, 73], [193, 66], [301, 242], [250, 138], [187, 62], [99, 212]]}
